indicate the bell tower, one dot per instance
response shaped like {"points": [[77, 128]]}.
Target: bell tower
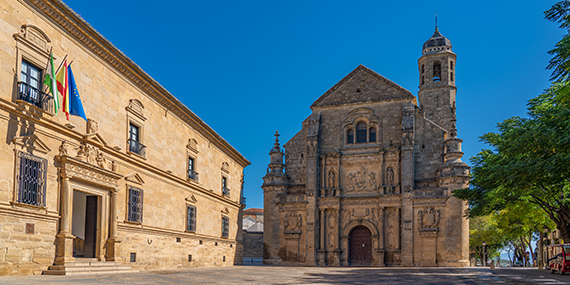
{"points": [[437, 80]]}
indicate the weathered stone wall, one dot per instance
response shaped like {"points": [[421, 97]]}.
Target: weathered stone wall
{"points": [[252, 244]]}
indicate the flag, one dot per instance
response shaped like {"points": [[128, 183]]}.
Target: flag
{"points": [[75, 106], [62, 88], [52, 84]]}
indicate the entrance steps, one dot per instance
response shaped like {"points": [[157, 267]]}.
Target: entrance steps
{"points": [[89, 266]]}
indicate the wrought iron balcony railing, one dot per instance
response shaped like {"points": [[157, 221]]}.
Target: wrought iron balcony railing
{"points": [[35, 97], [243, 200], [192, 175], [226, 191], [137, 147]]}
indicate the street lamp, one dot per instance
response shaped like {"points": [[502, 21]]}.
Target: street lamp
{"points": [[484, 258]]}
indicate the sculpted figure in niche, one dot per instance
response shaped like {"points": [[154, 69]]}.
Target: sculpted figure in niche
{"points": [[331, 179], [390, 180]]}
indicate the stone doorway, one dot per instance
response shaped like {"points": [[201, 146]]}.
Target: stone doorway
{"points": [[85, 224], [360, 247]]}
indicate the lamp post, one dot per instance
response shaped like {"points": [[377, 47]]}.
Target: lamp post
{"points": [[484, 258]]}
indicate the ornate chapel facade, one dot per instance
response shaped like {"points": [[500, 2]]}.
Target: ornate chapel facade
{"points": [[368, 180]]}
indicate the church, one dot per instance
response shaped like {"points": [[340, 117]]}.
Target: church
{"points": [[368, 179]]}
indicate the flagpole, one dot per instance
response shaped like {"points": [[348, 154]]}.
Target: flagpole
{"points": [[47, 63], [62, 61]]}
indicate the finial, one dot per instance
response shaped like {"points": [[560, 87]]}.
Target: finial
{"points": [[436, 20], [276, 136], [276, 147]]}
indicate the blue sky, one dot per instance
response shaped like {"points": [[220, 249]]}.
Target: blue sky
{"points": [[249, 68]]}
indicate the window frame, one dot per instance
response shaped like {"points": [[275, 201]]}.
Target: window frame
{"points": [[225, 190], [191, 223], [41, 170], [131, 216], [225, 226], [360, 134]]}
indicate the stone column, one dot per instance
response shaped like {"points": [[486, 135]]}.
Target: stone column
{"points": [[338, 251], [322, 248], [64, 239], [113, 241]]}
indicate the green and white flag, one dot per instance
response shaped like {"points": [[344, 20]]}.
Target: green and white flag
{"points": [[50, 82]]}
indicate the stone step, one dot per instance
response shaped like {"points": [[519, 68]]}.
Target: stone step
{"points": [[87, 272], [89, 267]]}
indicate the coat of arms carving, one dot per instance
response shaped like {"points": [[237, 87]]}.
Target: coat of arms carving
{"points": [[361, 181], [429, 218]]}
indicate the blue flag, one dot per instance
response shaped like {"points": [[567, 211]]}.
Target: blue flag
{"points": [[75, 106]]}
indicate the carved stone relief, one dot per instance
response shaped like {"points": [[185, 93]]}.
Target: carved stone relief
{"points": [[92, 126], [293, 222], [428, 218], [361, 181], [86, 153], [407, 141]]}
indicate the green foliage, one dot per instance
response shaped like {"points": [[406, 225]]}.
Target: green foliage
{"points": [[529, 158]]}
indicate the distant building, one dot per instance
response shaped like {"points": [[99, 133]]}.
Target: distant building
{"points": [[255, 213], [252, 234], [368, 179], [144, 183]]}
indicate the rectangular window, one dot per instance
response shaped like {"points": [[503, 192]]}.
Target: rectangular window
{"points": [[225, 227], [225, 189], [135, 145], [31, 179], [135, 204], [191, 218], [191, 173], [30, 85]]}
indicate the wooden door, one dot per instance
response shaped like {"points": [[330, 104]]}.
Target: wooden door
{"points": [[90, 246], [360, 249]]}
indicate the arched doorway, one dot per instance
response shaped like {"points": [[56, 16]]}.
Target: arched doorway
{"points": [[360, 248]]}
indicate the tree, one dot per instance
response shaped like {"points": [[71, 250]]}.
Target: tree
{"points": [[484, 230]]}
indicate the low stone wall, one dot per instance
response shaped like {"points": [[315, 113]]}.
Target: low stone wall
{"points": [[252, 244]]}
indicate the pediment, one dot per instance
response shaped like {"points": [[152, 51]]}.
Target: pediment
{"points": [[360, 86], [96, 139], [31, 142], [191, 199], [134, 178], [225, 210]]}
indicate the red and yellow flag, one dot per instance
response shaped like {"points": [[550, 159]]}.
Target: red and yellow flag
{"points": [[62, 79]]}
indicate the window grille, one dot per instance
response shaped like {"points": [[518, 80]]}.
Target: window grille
{"points": [[191, 218], [135, 146], [135, 204], [31, 179], [225, 227]]}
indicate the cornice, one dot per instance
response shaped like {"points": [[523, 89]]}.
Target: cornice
{"points": [[78, 28]]}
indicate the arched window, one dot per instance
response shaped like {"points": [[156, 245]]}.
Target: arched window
{"points": [[361, 132], [436, 71], [451, 76], [350, 137], [423, 81], [423, 68], [372, 134]]}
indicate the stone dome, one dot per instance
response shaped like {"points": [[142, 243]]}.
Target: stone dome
{"points": [[437, 42]]}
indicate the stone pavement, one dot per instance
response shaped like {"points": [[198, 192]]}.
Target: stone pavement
{"points": [[308, 275]]}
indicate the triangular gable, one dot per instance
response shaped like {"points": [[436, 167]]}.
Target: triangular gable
{"points": [[362, 85], [31, 142], [191, 199], [96, 139], [134, 178], [225, 210]]}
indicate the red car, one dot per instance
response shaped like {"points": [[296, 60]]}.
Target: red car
{"points": [[558, 258]]}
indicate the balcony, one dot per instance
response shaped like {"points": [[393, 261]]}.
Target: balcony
{"points": [[243, 201], [137, 148], [35, 97], [192, 175], [226, 192]]}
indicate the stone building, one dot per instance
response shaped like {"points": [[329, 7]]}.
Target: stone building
{"points": [[369, 177], [143, 184]]}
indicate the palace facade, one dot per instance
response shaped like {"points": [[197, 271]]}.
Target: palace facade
{"points": [[142, 184], [368, 180]]}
